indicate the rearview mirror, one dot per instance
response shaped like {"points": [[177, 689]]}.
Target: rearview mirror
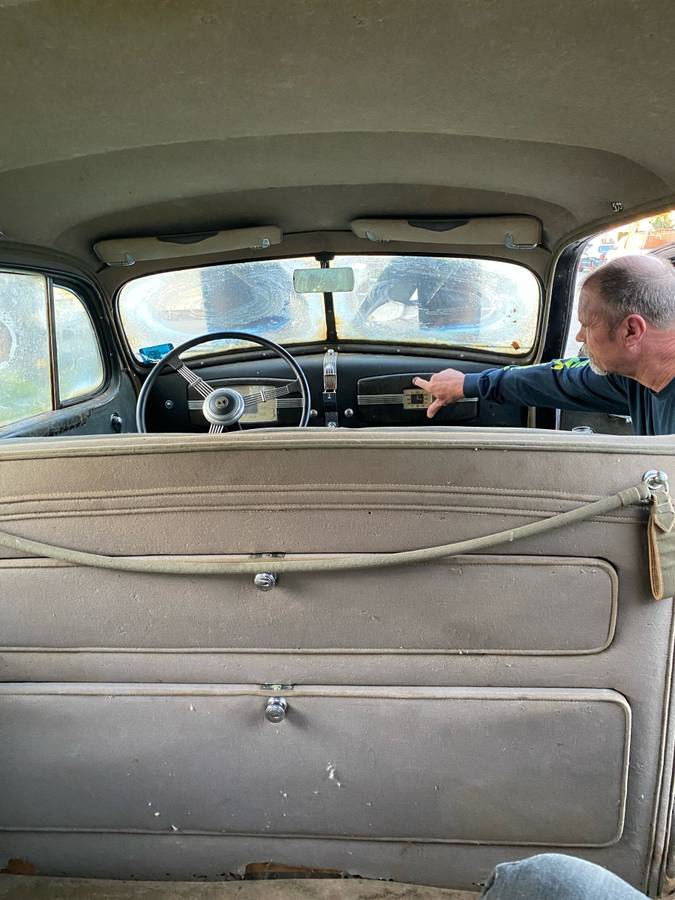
{"points": [[323, 281]]}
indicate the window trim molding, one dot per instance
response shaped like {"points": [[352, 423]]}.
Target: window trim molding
{"points": [[53, 352]]}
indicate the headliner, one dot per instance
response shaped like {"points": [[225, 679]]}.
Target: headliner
{"points": [[127, 117]]}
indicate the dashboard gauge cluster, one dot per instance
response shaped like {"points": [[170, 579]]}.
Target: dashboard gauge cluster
{"points": [[273, 411]]}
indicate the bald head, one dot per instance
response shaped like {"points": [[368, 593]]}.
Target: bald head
{"points": [[642, 285]]}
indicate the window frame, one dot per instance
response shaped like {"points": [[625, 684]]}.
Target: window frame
{"points": [[93, 306]]}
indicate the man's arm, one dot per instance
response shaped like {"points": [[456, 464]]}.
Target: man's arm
{"points": [[561, 384]]}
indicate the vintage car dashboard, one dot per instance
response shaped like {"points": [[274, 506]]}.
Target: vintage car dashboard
{"points": [[348, 390]]}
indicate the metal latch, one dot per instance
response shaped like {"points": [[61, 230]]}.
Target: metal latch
{"points": [[276, 707], [275, 711], [658, 483], [265, 581]]}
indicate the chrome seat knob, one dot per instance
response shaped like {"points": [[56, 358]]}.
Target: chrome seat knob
{"points": [[275, 711], [265, 581]]}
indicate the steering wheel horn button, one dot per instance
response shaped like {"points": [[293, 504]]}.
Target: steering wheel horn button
{"points": [[224, 406]]}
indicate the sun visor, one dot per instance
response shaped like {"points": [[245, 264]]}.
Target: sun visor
{"points": [[127, 251], [513, 232]]}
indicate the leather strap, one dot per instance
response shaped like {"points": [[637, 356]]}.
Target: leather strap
{"points": [[661, 541]]}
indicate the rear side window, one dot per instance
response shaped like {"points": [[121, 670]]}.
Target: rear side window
{"points": [[49, 351], [653, 236]]}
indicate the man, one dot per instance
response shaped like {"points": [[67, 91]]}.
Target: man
{"points": [[627, 319]]}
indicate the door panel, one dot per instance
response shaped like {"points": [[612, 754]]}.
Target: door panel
{"points": [[111, 412]]}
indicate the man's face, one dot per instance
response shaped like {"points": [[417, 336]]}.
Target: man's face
{"points": [[600, 339]]}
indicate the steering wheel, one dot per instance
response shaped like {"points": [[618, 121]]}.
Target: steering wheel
{"points": [[223, 407]]}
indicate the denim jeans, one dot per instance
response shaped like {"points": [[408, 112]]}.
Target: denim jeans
{"points": [[551, 876]]}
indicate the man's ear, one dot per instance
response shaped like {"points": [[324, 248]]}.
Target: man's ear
{"points": [[634, 328]]}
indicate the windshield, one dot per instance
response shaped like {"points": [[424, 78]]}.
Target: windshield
{"points": [[418, 300], [477, 303]]}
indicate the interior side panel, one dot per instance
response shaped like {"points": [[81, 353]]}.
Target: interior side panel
{"points": [[108, 413], [530, 684]]}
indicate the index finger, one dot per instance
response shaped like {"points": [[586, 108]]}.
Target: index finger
{"points": [[420, 382]]}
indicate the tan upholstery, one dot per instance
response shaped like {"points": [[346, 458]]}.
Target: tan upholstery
{"points": [[441, 718]]}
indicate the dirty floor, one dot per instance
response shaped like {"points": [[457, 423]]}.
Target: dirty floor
{"points": [[17, 887]]}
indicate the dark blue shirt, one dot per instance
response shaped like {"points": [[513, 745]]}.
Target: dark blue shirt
{"points": [[572, 384]]}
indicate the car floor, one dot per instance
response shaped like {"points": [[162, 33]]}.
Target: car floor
{"points": [[19, 887]]}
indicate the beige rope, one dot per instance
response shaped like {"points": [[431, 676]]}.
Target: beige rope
{"points": [[222, 565]]}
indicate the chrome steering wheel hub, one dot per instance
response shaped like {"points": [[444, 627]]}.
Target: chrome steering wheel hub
{"points": [[224, 406]]}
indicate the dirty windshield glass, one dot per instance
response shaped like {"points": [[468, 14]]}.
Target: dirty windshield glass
{"points": [[439, 301], [256, 297], [484, 304]]}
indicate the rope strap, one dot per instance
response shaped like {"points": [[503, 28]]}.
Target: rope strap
{"points": [[224, 565]]}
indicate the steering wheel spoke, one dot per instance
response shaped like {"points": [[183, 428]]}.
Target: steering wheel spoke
{"points": [[202, 387], [263, 393]]}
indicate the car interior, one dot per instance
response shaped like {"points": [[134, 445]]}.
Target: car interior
{"points": [[266, 627]]}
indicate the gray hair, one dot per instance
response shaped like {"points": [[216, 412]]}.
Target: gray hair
{"points": [[644, 285]]}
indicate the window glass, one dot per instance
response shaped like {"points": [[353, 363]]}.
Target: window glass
{"points": [[80, 366], [25, 369], [654, 235], [479, 303], [258, 297]]}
